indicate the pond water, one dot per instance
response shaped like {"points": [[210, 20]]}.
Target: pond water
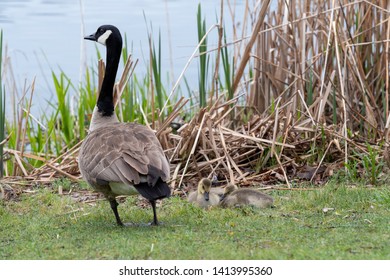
{"points": [[41, 35]]}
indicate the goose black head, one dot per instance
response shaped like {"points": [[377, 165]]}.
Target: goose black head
{"points": [[106, 35]]}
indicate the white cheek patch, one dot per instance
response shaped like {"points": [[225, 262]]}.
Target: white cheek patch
{"points": [[103, 38]]}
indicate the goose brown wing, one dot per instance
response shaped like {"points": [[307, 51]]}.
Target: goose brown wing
{"points": [[123, 152]]}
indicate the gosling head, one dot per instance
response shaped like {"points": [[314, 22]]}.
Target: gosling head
{"points": [[204, 187], [106, 35], [229, 188]]}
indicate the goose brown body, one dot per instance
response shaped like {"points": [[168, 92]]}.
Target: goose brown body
{"points": [[126, 153]]}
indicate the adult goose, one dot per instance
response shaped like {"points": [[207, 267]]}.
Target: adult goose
{"points": [[121, 158], [233, 196]]}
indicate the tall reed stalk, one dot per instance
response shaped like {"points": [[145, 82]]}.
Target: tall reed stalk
{"points": [[203, 58], [2, 107], [156, 68], [228, 68], [309, 52], [66, 121]]}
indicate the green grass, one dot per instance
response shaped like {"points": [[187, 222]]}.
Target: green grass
{"points": [[46, 226]]}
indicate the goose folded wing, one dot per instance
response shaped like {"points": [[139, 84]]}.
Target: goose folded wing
{"points": [[126, 154]]}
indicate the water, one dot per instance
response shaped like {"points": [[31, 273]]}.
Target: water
{"points": [[47, 34]]}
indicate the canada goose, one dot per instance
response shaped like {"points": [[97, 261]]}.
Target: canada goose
{"points": [[234, 196], [203, 196], [121, 158]]}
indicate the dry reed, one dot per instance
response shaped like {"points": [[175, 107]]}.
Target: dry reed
{"points": [[319, 93]]}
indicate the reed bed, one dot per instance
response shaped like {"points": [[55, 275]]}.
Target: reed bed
{"points": [[303, 95], [2, 109]]}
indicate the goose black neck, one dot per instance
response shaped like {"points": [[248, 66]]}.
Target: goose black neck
{"points": [[105, 101]]}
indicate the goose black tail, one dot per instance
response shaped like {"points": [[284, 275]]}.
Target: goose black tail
{"points": [[158, 191]]}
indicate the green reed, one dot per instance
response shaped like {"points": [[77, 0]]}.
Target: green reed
{"points": [[62, 85], [156, 68], [203, 58], [228, 67]]}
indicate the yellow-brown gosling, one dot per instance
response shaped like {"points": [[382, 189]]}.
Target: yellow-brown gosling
{"points": [[203, 196], [233, 196]]}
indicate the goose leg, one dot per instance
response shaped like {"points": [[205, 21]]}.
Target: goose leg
{"points": [[153, 203], [114, 207]]}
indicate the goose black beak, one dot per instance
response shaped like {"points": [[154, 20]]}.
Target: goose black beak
{"points": [[91, 37], [206, 196]]}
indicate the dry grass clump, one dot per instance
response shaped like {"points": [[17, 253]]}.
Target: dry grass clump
{"points": [[328, 63], [318, 97]]}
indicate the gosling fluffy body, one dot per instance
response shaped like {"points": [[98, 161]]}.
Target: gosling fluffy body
{"points": [[234, 196]]}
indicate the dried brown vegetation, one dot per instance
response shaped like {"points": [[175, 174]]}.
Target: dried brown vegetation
{"points": [[311, 91]]}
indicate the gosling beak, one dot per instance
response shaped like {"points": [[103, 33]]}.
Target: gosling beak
{"points": [[222, 197], [91, 37], [206, 196]]}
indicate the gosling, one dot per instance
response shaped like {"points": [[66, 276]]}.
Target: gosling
{"points": [[203, 196], [233, 196]]}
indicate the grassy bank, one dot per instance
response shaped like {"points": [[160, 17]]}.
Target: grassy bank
{"points": [[336, 221], [296, 94]]}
